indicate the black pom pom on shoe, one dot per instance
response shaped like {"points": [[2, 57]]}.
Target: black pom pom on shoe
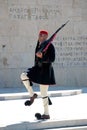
{"points": [[30, 102], [38, 116], [27, 103]]}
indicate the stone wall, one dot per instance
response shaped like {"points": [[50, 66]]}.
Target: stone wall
{"points": [[20, 22]]}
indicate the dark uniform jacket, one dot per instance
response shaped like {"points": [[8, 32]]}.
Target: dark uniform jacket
{"points": [[42, 72]]}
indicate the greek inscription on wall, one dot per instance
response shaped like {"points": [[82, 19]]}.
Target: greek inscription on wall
{"points": [[71, 51], [33, 13]]}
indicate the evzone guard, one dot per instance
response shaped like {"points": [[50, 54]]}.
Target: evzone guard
{"points": [[42, 73]]}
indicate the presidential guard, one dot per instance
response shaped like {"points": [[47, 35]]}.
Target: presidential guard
{"points": [[41, 73]]}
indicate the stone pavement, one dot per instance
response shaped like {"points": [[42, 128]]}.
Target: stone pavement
{"points": [[68, 112]]}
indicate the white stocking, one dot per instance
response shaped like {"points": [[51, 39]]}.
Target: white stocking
{"points": [[44, 90], [26, 83]]}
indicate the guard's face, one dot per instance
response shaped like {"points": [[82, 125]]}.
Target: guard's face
{"points": [[42, 37]]}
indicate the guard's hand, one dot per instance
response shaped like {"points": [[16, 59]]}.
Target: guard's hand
{"points": [[39, 54]]}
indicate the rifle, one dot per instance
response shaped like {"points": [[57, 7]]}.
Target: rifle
{"points": [[45, 44]]}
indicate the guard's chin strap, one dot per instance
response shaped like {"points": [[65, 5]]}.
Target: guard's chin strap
{"points": [[49, 101]]}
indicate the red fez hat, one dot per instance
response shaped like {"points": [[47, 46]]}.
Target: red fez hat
{"points": [[43, 32]]}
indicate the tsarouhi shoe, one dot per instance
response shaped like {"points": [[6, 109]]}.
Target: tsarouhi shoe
{"points": [[30, 102], [43, 117]]}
